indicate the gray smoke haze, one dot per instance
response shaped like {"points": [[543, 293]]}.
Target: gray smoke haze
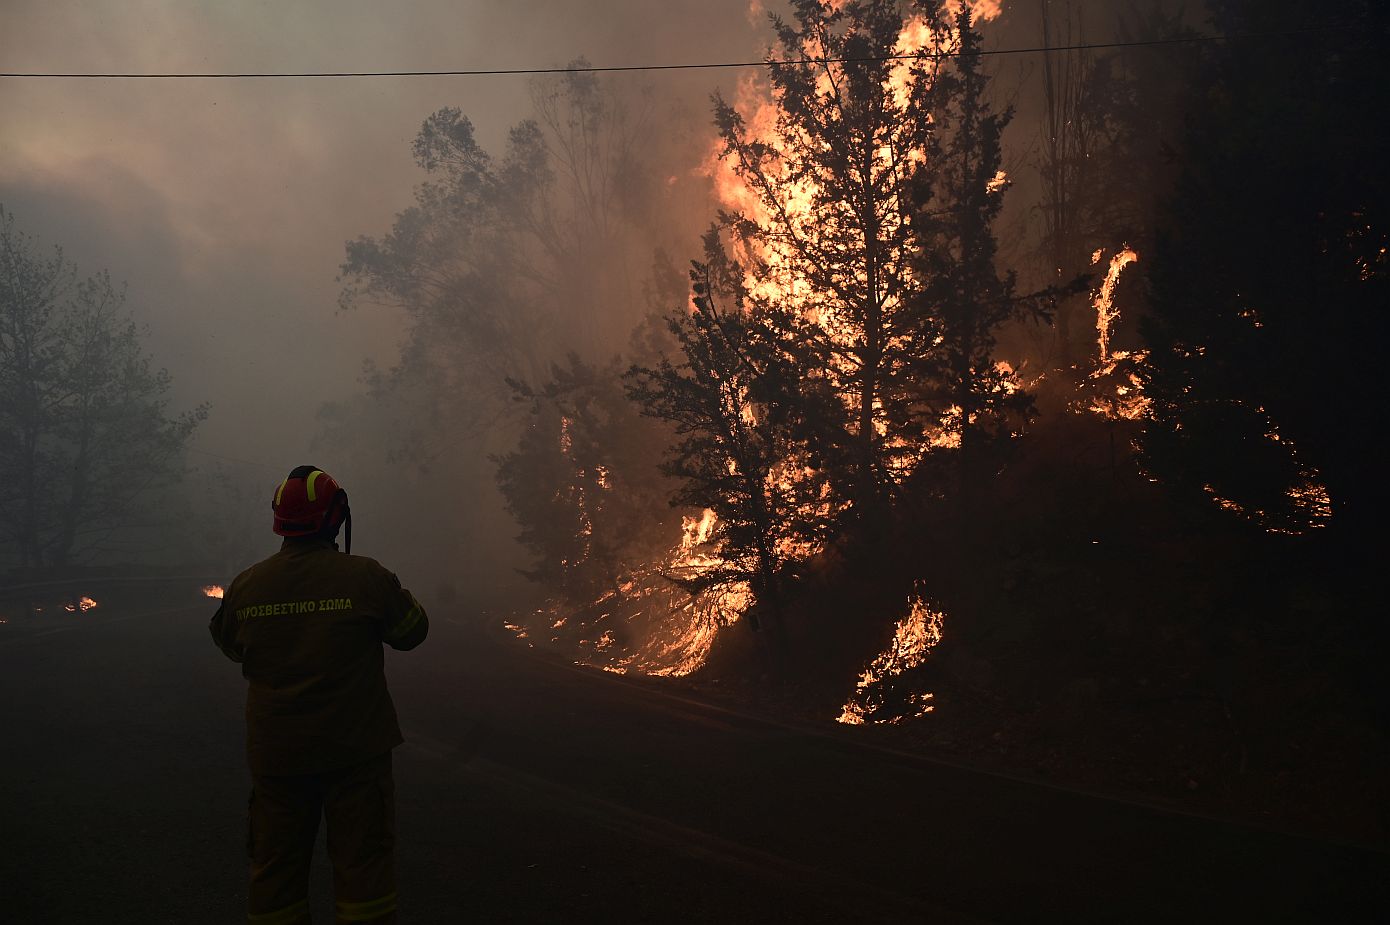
{"points": [[225, 204]]}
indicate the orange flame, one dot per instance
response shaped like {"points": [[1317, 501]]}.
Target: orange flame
{"points": [[215, 591], [82, 604], [1106, 314], [757, 104]]}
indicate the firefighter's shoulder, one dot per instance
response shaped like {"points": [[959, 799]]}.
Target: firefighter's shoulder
{"points": [[244, 577], [367, 566]]}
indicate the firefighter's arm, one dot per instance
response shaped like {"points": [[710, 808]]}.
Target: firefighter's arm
{"points": [[406, 624], [223, 628]]}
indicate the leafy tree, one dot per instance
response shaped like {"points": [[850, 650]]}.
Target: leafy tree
{"points": [[503, 265], [84, 423], [1270, 279]]}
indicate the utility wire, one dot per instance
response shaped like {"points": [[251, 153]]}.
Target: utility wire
{"points": [[699, 66]]}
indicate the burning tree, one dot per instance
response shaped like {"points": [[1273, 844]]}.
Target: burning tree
{"points": [[824, 183], [739, 412], [505, 264], [855, 335], [84, 425]]}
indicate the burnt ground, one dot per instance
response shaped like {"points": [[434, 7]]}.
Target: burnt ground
{"points": [[530, 791]]}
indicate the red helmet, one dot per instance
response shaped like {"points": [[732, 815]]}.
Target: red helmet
{"points": [[310, 501]]}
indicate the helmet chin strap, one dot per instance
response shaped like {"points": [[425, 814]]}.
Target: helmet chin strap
{"points": [[347, 528]]}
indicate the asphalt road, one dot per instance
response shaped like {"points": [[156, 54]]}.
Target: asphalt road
{"points": [[533, 792]]}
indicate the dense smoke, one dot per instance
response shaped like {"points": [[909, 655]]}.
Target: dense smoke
{"points": [[225, 204]]}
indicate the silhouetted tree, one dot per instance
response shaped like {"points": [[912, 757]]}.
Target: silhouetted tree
{"points": [[1109, 121], [964, 298], [582, 482], [84, 422], [735, 403]]}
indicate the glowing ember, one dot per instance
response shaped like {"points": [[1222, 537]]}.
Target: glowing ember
{"points": [[82, 604], [1310, 503], [213, 591], [913, 639]]}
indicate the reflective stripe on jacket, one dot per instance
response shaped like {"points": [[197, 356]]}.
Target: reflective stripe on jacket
{"points": [[307, 626]]}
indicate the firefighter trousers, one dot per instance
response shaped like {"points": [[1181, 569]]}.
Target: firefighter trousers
{"points": [[358, 803]]}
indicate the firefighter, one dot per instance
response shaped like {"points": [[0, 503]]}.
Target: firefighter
{"points": [[307, 626]]}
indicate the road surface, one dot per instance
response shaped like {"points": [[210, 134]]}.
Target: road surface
{"points": [[533, 792]]}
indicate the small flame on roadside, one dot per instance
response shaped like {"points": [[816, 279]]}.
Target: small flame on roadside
{"points": [[913, 639], [82, 604], [214, 591]]}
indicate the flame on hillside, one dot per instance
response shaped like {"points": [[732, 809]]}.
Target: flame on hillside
{"points": [[1310, 503], [1114, 389], [1104, 300], [661, 619], [214, 591], [82, 605], [914, 637], [683, 600]]}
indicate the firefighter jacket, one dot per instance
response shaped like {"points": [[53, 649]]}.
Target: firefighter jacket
{"points": [[307, 626]]}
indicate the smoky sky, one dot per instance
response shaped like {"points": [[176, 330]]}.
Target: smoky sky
{"points": [[225, 204]]}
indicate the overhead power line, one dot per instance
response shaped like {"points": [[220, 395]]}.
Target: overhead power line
{"points": [[698, 66]]}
